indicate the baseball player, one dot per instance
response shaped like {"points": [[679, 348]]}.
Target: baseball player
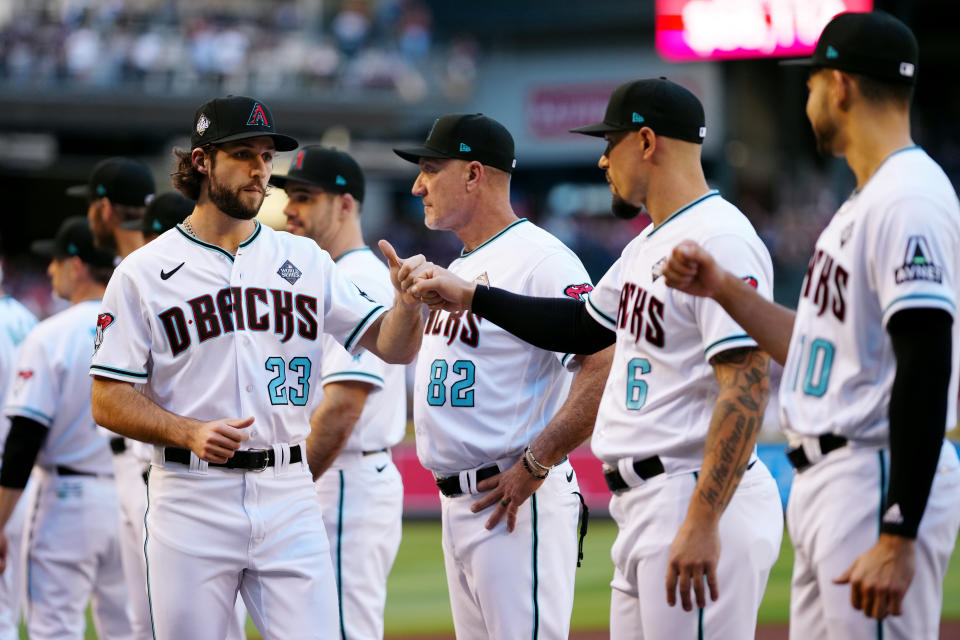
{"points": [[117, 192], [684, 401], [870, 356], [220, 321], [16, 321], [164, 212], [481, 395], [73, 553], [361, 411]]}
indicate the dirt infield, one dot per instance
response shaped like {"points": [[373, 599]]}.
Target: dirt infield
{"points": [[949, 630]]}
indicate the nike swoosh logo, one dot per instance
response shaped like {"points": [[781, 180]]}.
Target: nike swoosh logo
{"points": [[379, 469], [570, 477], [165, 275]]}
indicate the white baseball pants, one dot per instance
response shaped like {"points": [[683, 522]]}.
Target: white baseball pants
{"points": [[12, 579]]}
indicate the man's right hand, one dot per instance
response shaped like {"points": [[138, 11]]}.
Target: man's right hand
{"points": [[216, 441], [439, 288], [692, 270]]}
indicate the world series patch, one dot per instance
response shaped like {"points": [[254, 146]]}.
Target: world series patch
{"points": [[289, 272], [918, 263]]}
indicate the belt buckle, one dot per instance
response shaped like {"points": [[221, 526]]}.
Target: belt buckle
{"points": [[266, 459]]}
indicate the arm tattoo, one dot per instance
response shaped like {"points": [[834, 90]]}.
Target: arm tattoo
{"points": [[737, 417]]}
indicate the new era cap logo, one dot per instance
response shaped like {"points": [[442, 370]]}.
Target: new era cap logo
{"points": [[831, 52], [340, 181], [464, 148], [636, 118], [907, 69], [258, 117], [203, 123], [703, 132]]}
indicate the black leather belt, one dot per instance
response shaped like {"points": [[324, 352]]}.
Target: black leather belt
{"points": [[450, 486], [375, 451], [68, 471], [248, 459], [828, 442], [646, 469], [118, 445]]}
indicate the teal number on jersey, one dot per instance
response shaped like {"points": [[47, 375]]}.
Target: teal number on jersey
{"points": [[819, 365], [461, 392], [637, 388], [298, 392]]}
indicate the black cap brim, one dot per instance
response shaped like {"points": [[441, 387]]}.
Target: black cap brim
{"points": [[79, 191], [45, 248], [796, 62], [413, 154], [281, 181], [280, 141], [597, 130]]}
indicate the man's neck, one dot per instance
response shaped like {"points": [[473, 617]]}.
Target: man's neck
{"points": [[217, 228], [127, 241], [672, 192], [349, 239], [484, 225], [872, 136], [86, 291]]}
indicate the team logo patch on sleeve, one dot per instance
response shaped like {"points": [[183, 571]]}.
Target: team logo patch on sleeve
{"points": [[104, 320], [918, 263], [750, 280], [576, 291], [289, 272]]}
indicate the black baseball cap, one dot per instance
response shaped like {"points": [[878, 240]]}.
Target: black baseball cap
{"points": [[664, 106], [235, 118], [466, 136], [74, 238], [165, 211], [873, 44], [331, 170], [125, 181]]}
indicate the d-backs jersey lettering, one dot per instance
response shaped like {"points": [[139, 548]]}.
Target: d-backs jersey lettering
{"points": [[211, 335], [383, 422], [481, 394], [661, 390], [51, 386], [891, 246]]}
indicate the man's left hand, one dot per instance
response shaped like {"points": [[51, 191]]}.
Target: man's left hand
{"points": [[879, 577], [508, 490]]}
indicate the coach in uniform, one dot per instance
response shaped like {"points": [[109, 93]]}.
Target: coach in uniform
{"points": [[683, 404], [870, 356], [16, 321], [74, 546], [481, 395], [361, 411], [221, 322]]}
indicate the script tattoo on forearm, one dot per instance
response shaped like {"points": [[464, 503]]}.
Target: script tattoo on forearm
{"points": [[737, 418]]}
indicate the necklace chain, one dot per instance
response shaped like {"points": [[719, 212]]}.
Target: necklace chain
{"points": [[188, 227]]}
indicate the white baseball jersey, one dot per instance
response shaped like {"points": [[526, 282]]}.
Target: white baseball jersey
{"points": [[481, 394], [211, 335], [891, 246], [51, 387], [16, 321], [661, 391], [382, 423]]}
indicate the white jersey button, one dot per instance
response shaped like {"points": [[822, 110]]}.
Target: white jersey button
{"points": [[249, 388]]}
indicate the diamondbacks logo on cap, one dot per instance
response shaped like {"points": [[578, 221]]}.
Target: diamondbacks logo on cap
{"points": [[637, 118], [577, 291], [341, 181], [464, 148], [918, 263], [203, 123], [258, 117], [104, 320], [289, 272], [831, 52], [298, 161], [907, 69]]}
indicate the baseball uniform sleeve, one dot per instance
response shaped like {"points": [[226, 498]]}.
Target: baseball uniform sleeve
{"points": [[603, 301], [340, 366], [123, 339], [749, 261], [559, 274], [348, 312], [35, 393], [912, 263]]}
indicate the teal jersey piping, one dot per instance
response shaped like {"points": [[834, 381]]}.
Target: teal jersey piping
{"points": [[360, 326], [146, 539], [741, 336], [684, 208], [221, 250], [912, 147], [602, 314], [343, 629], [124, 372], [346, 253], [921, 296], [536, 575], [464, 253], [351, 373]]}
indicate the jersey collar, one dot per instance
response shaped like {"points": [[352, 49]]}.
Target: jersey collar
{"points": [[464, 253], [346, 253], [686, 207], [253, 236]]}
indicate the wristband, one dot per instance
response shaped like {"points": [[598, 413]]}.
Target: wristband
{"points": [[526, 465], [536, 468]]}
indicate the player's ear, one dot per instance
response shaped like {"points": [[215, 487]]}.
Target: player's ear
{"points": [[843, 85], [474, 174], [648, 142], [199, 160], [348, 205]]}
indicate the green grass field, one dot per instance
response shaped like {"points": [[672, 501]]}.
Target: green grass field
{"points": [[417, 592]]}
